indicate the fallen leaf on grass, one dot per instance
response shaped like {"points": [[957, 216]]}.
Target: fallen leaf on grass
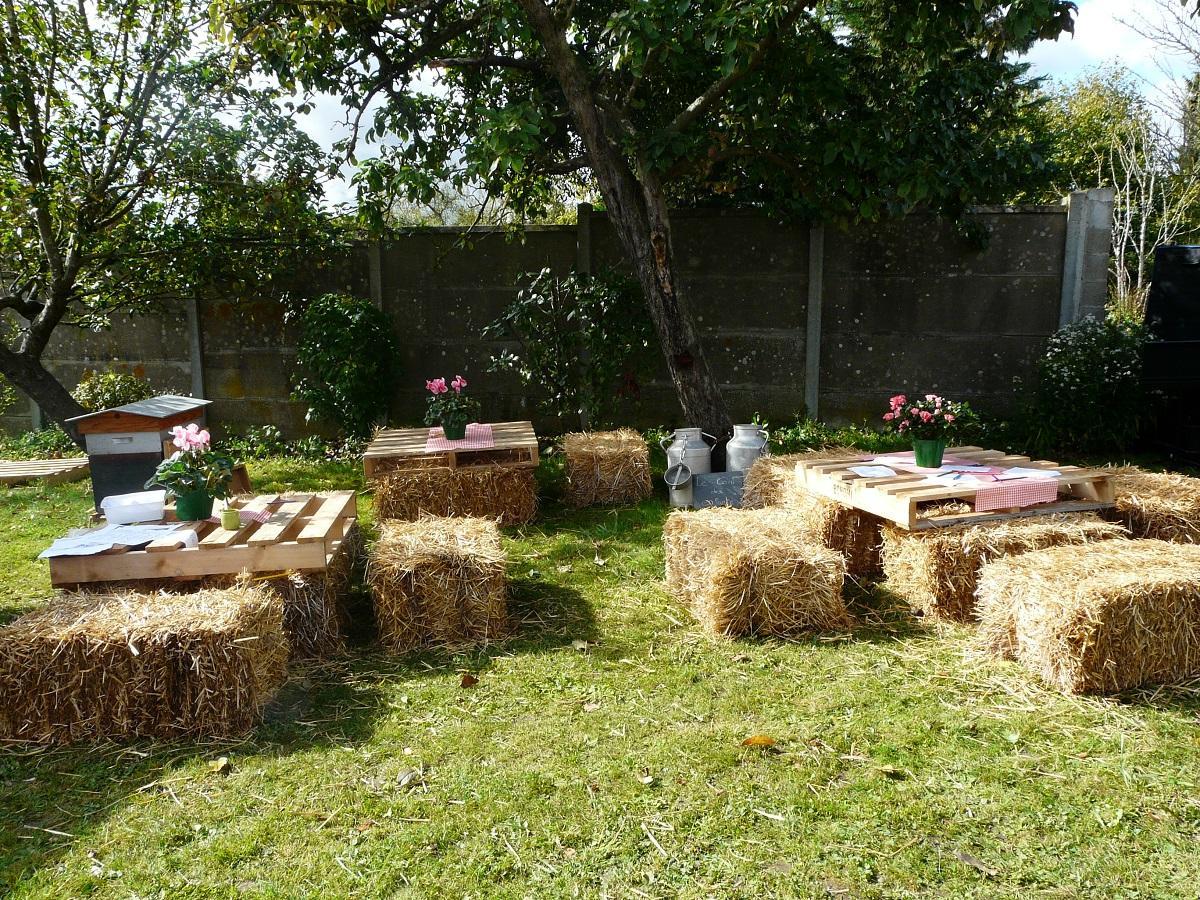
{"points": [[406, 777], [743, 657], [646, 778], [975, 863], [835, 888], [579, 645], [591, 707], [220, 766], [469, 680], [890, 771], [759, 740], [780, 866], [773, 816]]}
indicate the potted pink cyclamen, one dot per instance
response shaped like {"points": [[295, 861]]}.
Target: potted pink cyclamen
{"points": [[450, 407], [930, 423], [194, 474]]}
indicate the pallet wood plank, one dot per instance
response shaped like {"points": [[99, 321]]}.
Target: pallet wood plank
{"points": [[272, 530], [515, 446], [48, 471], [177, 538], [220, 537], [335, 506]]}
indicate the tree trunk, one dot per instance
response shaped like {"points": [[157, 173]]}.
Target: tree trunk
{"points": [[28, 374], [637, 209]]}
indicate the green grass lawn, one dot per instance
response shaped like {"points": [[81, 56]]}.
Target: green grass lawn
{"points": [[600, 754]]}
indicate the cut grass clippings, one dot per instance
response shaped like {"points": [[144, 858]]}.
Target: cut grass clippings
{"points": [[601, 751]]}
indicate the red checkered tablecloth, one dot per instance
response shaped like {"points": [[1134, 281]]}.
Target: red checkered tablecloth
{"points": [[1016, 493], [478, 437]]}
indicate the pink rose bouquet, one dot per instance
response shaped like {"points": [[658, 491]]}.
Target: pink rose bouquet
{"points": [[931, 418]]}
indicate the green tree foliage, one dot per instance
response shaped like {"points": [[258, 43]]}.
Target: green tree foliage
{"points": [[582, 345], [137, 164], [347, 362], [835, 109]]}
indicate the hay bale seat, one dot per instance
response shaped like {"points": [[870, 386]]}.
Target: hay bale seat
{"points": [[139, 665], [852, 532], [936, 570], [1162, 505], [438, 582], [507, 494], [746, 572], [1099, 619], [606, 467]]}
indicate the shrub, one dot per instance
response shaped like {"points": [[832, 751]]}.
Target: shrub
{"points": [[584, 343], [347, 362], [267, 441], [45, 443], [104, 390], [1088, 395]]}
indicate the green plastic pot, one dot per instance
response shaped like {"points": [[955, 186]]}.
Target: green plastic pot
{"points": [[193, 507], [455, 429], [928, 454]]}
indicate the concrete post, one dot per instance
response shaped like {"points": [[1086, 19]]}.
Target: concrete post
{"points": [[812, 331], [1086, 255], [195, 346], [375, 273], [583, 238]]}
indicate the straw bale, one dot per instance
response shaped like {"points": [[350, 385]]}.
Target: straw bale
{"points": [[936, 570], [606, 467], [750, 572], [1103, 619], [507, 494], [314, 603], [852, 532], [439, 582], [128, 664], [1163, 505], [771, 479]]}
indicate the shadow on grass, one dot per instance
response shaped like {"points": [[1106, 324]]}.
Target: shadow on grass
{"points": [[53, 798]]}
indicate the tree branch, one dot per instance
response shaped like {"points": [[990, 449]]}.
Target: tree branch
{"points": [[486, 61], [723, 85]]}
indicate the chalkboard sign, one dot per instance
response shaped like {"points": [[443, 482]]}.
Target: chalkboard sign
{"points": [[717, 489]]}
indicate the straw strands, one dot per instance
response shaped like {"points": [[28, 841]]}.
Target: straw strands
{"points": [[438, 581], [1099, 620], [314, 602], [936, 571], [1162, 505], [852, 532], [748, 572], [606, 467], [122, 665], [508, 495]]}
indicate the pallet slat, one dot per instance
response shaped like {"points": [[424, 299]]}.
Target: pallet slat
{"points": [[336, 506], [50, 471]]}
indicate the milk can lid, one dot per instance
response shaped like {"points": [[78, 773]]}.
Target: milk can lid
{"points": [[678, 475]]}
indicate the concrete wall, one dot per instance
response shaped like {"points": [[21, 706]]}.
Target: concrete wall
{"points": [[909, 305]]}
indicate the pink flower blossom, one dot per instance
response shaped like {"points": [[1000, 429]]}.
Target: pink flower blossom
{"points": [[949, 418], [898, 400], [926, 416], [191, 438], [436, 386], [887, 417], [458, 384]]}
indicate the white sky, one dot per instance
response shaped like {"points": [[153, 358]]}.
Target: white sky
{"points": [[1101, 38]]}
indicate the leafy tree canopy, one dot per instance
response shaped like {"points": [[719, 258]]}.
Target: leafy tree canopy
{"points": [[137, 164]]}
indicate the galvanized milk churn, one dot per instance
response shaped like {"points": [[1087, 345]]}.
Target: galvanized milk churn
{"points": [[689, 449], [748, 443]]}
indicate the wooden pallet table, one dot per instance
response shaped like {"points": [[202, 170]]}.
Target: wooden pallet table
{"points": [[301, 534], [404, 449], [910, 501], [47, 471]]}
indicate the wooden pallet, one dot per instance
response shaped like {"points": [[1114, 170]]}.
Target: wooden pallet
{"points": [[48, 471], [404, 449], [302, 534], [907, 501]]}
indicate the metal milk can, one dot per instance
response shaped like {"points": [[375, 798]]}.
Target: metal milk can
{"points": [[689, 449], [748, 443], [680, 485]]}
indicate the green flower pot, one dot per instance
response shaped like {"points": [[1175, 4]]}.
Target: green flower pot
{"points": [[455, 429], [928, 454], [193, 507]]}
